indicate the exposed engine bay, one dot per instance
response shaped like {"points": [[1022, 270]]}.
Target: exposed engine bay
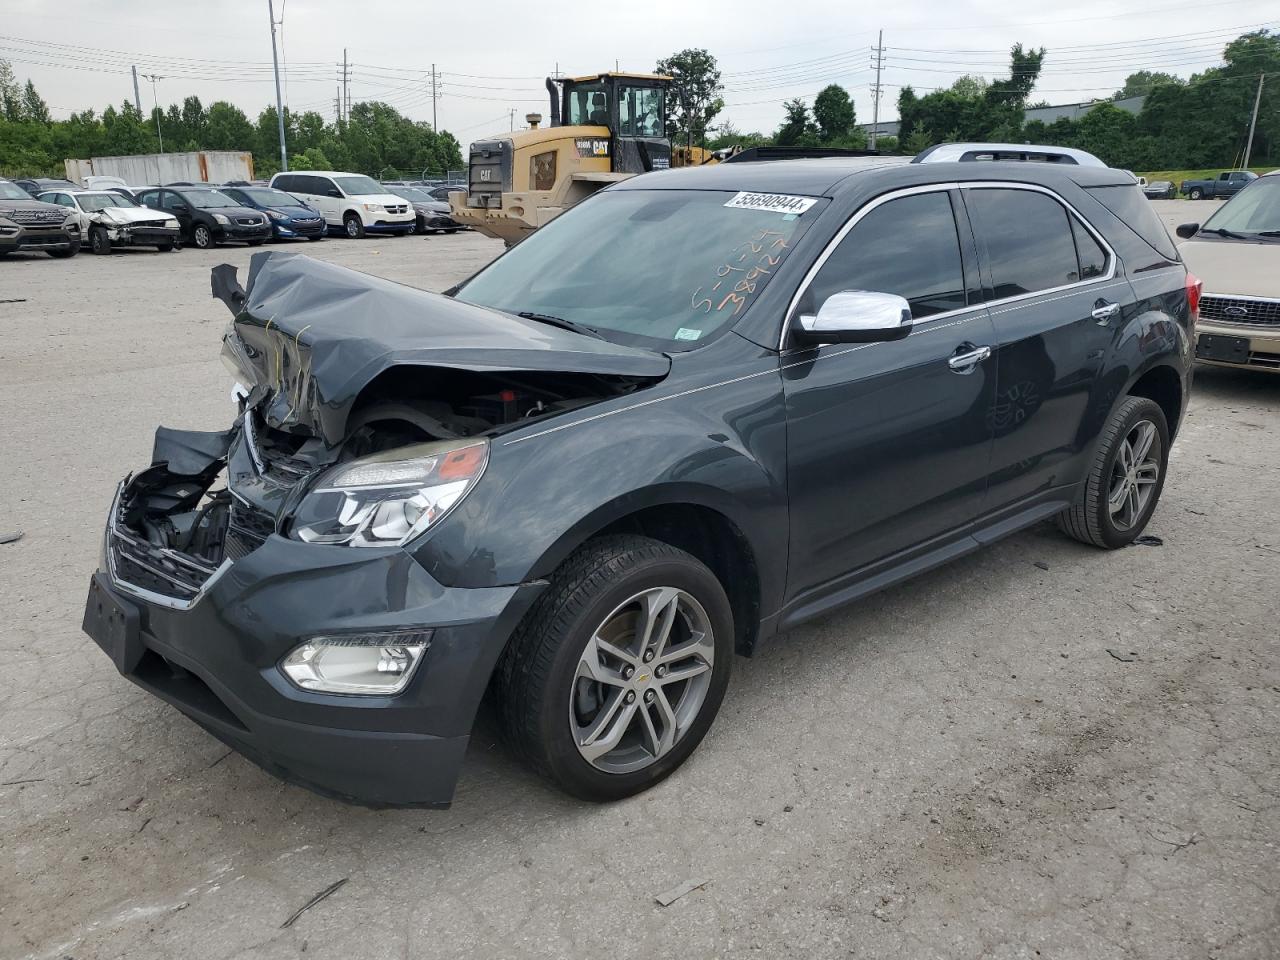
{"points": [[365, 411]]}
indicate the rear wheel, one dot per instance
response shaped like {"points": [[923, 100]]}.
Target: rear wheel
{"points": [[1124, 485], [1196, 193], [99, 242], [617, 672], [353, 226]]}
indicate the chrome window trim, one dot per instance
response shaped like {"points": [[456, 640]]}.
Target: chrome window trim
{"points": [[1112, 259]]}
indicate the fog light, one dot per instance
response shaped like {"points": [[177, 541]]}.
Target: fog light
{"points": [[361, 663]]}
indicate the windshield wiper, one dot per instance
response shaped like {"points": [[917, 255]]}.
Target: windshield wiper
{"points": [[1230, 235], [562, 323], [1268, 233]]}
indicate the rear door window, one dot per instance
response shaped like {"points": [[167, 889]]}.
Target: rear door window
{"points": [[908, 246], [1027, 239], [1093, 259]]}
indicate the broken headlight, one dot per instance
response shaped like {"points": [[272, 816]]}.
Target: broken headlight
{"points": [[389, 498]]}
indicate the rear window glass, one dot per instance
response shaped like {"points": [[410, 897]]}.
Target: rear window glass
{"points": [[1130, 204], [1027, 237]]}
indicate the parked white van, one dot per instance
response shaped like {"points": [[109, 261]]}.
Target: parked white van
{"points": [[350, 202]]}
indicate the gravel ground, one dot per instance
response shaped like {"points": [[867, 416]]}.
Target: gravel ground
{"points": [[1041, 750]]}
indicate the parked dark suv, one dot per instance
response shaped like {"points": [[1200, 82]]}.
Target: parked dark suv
{"points": [[207, 216], [693, 411], [30, 224]]}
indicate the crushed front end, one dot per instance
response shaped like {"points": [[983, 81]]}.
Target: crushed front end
{"points": [[259, 578]]}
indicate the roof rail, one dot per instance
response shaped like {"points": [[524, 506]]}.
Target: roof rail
{"points": [[1035, 153], [771, 152]]}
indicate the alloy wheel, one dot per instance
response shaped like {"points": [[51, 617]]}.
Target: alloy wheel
{"points": [[203, 239], [1134, 475], [641, 680]]}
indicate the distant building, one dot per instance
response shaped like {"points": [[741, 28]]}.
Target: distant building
{"points": [[1071, 111]]}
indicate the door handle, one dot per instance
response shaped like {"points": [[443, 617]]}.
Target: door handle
{"points": [[968, 361], [1103, 311]]}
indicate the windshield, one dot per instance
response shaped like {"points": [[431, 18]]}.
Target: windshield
{"points": [[359, 186], [412, 193], [207, 199], [89, 202], [648, 265], [272, 198], [11, 191], [1254, 210]]}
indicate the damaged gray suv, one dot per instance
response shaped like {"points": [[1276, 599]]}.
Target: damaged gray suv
{"points": [[695, 410]]}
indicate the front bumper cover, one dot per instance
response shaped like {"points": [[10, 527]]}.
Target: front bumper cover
{"points": [[215, 657]]}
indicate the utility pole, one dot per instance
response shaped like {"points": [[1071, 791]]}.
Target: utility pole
{"points": [[156, 100], [434, 96], [137, 100], [513, 118], [875, 95], [337, 105], [346, 88], [275, 63], [1253, 121]]}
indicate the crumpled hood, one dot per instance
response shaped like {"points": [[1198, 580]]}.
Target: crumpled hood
{"points": [[308, 336], [127, 215]]}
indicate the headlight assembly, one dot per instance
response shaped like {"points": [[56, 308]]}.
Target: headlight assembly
{"points": [[275, 215], [221, 219], [389, 498], [171, 223]]}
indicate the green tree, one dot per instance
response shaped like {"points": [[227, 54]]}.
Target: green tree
{"points": [[796, 127], [1142, 82], [833, 112], [312, 158], [34, 109], [693, 100], [227, 128]]}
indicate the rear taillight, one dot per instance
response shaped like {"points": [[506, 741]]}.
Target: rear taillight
{"points": [[1195, 286]]}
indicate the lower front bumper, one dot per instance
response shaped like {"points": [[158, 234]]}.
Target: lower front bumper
{"points": [[215, 658]]}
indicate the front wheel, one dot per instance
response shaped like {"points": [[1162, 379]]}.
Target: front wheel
{"points": [[71, 251], [165, 246], [202, 236], [618, 670], [99, 242], [1123, 486], [256, 243], [353, 226]]}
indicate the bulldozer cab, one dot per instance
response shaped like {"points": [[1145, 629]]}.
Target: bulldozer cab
{"points": [[632, 106]]}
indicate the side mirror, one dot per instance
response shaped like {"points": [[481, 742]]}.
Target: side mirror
{"points": [[858, 316], [1187, 230], [333, 192]]}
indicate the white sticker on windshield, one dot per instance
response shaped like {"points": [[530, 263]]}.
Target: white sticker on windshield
{"points": [[688, 333], [772, 202]]}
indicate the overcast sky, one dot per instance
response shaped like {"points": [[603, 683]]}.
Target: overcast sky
{"points": [[492, 56]]}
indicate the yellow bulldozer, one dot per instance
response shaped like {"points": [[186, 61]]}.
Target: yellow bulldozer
{"points": [[603, 129]]}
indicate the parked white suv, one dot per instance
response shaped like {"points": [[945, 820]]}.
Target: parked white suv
{"points": [[350, 202]]}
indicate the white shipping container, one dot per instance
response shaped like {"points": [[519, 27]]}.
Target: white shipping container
{"points": [[203, 166]]}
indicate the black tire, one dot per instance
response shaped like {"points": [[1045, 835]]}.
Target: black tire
{"points": [[256, 243], [536, 676], [99, 242], [71, 251], [1090, 520], [353, 227], [413, 228], [202, 237], [165, 247], [318, 236], [1196, 193], [452, 230]]}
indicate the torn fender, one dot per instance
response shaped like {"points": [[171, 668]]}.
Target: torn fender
{"points": [[308, 336]]}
